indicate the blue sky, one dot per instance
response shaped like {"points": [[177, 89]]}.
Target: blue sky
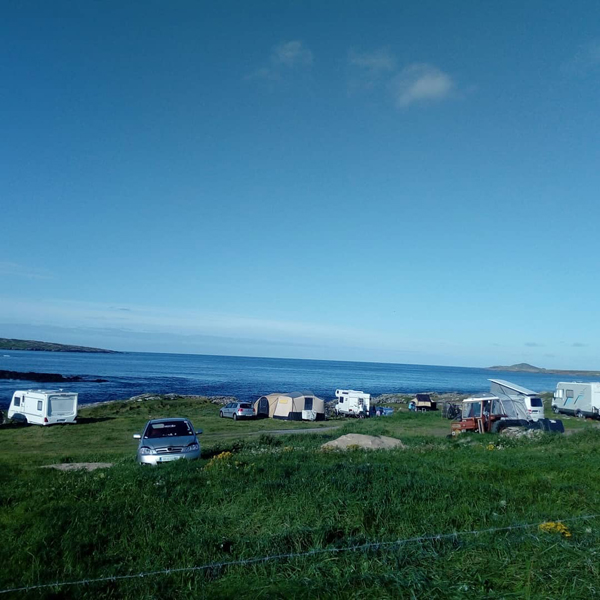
{"points": [[407, 182]]}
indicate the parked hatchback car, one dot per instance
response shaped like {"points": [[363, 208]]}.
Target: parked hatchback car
{"points": [[237, 410], [165, 440]]}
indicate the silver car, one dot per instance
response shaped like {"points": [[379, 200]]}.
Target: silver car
{"points": [[165, 440], [237, 410]]}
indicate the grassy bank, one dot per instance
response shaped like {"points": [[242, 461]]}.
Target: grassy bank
{"points": [[283, 495]]}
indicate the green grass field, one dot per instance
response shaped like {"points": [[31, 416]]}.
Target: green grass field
{"points": [[282, 495]]}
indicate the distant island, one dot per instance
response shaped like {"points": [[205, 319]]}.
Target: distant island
{"points": [[527, 368], [9, 344]]}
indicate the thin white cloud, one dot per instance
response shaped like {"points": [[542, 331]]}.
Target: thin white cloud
{"points": [[160, 321], [292, 54], [13, 269], [419, 83], [264, 73], [585, 60], [287, 56], [373, 63]]}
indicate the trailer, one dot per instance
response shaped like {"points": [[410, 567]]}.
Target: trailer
{"points": [[576, 398], [43, 407], [422, 403], [352, 403]]}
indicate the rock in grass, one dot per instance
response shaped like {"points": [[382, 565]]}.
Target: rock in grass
{"points": [[353, 441], [78, 466]]}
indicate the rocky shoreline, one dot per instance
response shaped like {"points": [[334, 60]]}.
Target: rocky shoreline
{"points": [[219, 400], [397, 398]]}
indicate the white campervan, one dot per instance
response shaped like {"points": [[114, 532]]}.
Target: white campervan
{"points": [[43, 407], [352, 403], [579, 399], [533, 402]]}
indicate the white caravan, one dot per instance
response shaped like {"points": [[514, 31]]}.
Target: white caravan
{"points": [[352, 403], [579, 399], [533, 403], [43, 407]]}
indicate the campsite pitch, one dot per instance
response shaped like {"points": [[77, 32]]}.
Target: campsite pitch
{"points": [[276, 517]]}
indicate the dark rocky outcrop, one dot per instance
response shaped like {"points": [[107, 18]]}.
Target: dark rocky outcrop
{"points": [[47, 377]]}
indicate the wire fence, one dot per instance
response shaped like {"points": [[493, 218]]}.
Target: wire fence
{"points": [[290, 555]]}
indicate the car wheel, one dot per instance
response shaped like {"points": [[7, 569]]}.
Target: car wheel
{"points": [[234, 417], [221, 414]]}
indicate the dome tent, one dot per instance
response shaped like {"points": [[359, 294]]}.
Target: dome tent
{"points": [[289, 406]]}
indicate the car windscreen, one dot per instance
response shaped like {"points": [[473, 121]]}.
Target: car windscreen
{"points": [[536, 402], [168, 429]]}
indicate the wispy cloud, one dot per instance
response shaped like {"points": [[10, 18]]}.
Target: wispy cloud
{"points": [[292, 54], [579, 345], [13, 269], [372, 65], [533, 345], [161, 321], [419, 83], [416, 83], [284, 57], [585, 60]]}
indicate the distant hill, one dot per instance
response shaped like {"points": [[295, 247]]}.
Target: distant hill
{"points": [[519, 367], [9, 344], [527, 368]]}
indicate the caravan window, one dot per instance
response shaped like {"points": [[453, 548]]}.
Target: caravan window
{"points": [[39, 405], [17, 400], [569, 393]]}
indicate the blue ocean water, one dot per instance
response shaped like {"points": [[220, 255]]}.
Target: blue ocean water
{"points": [[129, 374]]}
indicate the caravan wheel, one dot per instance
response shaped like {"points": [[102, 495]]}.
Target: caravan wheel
{"points": [[555, 409], [579, 414]]}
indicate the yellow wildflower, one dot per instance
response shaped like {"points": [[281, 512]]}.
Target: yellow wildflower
{"points": [[555, 527]]}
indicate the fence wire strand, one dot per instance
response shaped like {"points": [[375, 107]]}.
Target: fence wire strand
{"points": [[273, 557]]}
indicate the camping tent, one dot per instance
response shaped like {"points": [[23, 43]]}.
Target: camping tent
{"points": [[289, 406]]}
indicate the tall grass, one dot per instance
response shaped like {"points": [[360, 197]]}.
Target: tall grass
{"points": [[285, 495]]}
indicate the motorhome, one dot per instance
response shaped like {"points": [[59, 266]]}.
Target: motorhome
{"points": [[43, 407], [579, 399], [532, 400], [352, 403]]}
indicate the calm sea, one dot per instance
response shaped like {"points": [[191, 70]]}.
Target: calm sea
{"points": [[246, 378]]}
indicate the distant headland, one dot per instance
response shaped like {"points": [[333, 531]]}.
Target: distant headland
{"points": [[10, 344], [527, 368]]}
